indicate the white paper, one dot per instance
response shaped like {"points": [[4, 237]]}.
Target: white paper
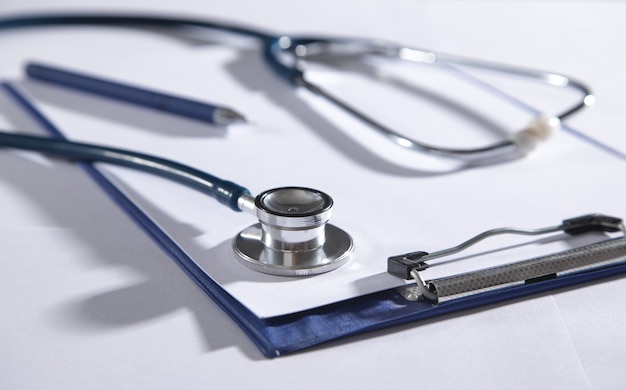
{"points": [[390, 200]]}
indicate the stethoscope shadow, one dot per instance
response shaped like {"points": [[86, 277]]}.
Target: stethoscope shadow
{"points": [[218, 260], [455, 107], [252, 71], [74, 202]]}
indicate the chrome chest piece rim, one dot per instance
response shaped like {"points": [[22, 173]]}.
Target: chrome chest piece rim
{"points": [[293, 237]]}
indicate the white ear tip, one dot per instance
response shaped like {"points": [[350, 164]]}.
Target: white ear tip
{"points": [[540, 129], [544, 126]]}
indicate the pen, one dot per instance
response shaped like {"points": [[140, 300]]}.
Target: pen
{"points": [[206, 112]]}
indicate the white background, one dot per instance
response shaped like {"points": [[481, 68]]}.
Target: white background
{"points": [[90, 302]]}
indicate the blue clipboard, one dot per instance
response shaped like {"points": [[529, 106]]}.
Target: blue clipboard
{"points": [[277, 336], [280, 335]]}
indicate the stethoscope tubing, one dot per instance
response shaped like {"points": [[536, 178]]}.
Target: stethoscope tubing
{"points": [[225, 192], [127, 20], [275, 48]]}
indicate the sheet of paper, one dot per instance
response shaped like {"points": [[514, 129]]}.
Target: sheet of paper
{"points": [[390, 200]]}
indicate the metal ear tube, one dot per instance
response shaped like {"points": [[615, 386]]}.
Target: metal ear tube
{"points": [[288, 57]]}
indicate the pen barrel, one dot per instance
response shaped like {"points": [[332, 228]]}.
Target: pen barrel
{"points": [[127, 93], [527, 271]]}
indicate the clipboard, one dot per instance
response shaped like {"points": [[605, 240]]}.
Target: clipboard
{"points": [[281, 335], [277, 335]]}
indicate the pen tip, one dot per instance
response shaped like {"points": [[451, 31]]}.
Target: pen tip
{"points": [[225, 116]]}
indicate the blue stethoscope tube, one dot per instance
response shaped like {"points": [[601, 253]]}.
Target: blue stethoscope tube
{"points": [[331, 247], [270, 41], [225, 192], [128, 21], [293, 236]]}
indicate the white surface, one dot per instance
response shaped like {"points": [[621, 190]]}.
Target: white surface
{"points": [[97, 305], [414, 210], [414, 199]]}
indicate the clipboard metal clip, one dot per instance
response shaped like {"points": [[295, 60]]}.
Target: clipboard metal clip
{"points": [[409, 265]]}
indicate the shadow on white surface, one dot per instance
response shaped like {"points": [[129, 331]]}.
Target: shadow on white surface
{"points": [[72, 201]]}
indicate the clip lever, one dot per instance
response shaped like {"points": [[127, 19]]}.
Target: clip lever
{"points": [[407, 266], [592, 223], [402, 265]]}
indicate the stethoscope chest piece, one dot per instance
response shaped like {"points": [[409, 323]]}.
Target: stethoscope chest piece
{"points": [[293, 237]]}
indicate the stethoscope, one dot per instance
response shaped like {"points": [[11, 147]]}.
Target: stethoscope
{"points": [[293, 236]]}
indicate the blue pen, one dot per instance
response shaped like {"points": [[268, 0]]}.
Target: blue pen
{"points": [[210, 113]]}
